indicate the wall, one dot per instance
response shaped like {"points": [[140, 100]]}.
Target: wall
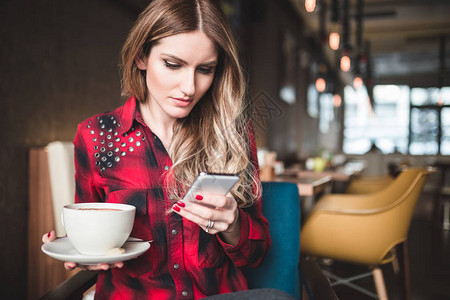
{"points": [[287, 128], [58, 66]]}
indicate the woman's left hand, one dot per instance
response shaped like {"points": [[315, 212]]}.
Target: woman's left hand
{"points": [[214, 214]]}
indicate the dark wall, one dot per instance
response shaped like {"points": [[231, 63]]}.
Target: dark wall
{"points": [[58, 64], [287, 128]]}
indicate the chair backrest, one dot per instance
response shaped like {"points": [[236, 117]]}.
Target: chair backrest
{"points": [[62, 178], [280, 268], [369, 184], [364, 228]]}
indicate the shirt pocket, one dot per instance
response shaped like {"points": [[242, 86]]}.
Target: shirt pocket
{"points": [[135, 197], [139, 199], [142, 227], [210, 251]]}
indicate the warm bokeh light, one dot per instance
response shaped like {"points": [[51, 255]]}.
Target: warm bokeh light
{"points": [[357, 82], [345, 63], [337, 100], [310, 5], [334, 40], [321, 84]]}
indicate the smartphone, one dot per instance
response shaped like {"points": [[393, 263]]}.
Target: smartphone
{"points": [[213, 183]]}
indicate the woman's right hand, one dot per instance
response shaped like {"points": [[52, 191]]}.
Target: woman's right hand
{"points": [[51, 236]]}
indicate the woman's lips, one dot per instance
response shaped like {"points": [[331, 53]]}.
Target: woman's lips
{"points": [[182, 101]]}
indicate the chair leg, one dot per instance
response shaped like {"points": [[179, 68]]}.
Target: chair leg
{"points": [[404, 271], [379, 284], [395, 263]]}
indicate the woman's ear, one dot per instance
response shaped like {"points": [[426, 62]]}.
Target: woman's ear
{"points": [[141, 61]]}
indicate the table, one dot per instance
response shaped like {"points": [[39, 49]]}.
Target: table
{"points": [[343, 173], [341, 176], [309, 187]]}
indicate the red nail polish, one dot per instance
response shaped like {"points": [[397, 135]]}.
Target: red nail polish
{"points": [[176, 208], [181, 204], [49, 233], [199, 197]]}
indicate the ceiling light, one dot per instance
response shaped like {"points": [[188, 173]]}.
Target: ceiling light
{"points": [[357, 82], [337, 100], [321, 84], [334, 40], [310, 5], [345, 63]]}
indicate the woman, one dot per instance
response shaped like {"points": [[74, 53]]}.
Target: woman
{"points": [[185, 114]]}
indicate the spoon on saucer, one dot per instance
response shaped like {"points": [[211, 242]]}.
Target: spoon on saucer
{"points": [[139, 241]]}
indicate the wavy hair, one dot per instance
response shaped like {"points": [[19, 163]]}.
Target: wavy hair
{"points": [[214, 137]]}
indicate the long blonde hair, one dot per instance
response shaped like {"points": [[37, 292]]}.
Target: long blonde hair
{"points": [[214, 137]]}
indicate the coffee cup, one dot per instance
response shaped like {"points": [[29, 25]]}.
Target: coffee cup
{"points": [[94, 228]]}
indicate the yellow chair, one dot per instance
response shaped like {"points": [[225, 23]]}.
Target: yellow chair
{"points": [[364, 229], [369, 184]]}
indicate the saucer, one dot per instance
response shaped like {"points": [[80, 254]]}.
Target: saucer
{"points": [[62, 249]]}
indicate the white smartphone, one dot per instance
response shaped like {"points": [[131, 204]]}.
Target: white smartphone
{"points": [[210, 183]]}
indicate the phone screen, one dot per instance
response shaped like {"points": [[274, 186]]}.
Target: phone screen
{"points": [[210, 183]]}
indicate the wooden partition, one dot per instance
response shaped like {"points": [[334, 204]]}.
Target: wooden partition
{"points": [[44, 273]]}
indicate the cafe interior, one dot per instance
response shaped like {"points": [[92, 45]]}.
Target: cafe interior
{"points": [[351, 111]]}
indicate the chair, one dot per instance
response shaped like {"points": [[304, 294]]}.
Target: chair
{"points": [[280, 268], [51, 186], [368, 184], [62, 178], [364, 229]]}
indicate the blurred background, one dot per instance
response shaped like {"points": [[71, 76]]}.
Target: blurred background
{"points": [[349, 78]]}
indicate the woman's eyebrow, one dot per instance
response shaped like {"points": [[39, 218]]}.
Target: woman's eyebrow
{"points": [[210, 63], [176, 58]]}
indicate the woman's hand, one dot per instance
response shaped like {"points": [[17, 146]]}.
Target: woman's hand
{"points": [[214, 214], [51, 236]]}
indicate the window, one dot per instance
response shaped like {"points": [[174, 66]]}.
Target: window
{"points": [[424, 131], [404, 120], [326, 111], [383, 127], [445, 140]]}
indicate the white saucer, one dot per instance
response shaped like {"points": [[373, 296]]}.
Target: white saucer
{"points": [[62, 249]]}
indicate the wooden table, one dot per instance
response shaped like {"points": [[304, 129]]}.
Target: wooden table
{"points": [[309, 188], [343, 173], [341, 176]]}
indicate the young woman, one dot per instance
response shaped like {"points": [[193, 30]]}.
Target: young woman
{"points": [[185, 114]]}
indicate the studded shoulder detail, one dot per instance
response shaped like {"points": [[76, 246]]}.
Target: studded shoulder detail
{"points": [[108, 144]]}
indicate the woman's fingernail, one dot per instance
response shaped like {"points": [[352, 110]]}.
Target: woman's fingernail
{"points": [[49, 234], [181, 204], [176, 208], [199, 197]]}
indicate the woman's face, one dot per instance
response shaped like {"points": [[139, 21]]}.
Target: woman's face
{"points": [[179, 70]]}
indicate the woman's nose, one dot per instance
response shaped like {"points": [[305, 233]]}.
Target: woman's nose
{"points": [[187, 84]]}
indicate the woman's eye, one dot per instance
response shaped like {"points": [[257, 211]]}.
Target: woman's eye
{"points": [[205, 70], [171, 65]]}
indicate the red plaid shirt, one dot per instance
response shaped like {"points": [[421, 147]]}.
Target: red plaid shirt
{"points": [[119, 159]]}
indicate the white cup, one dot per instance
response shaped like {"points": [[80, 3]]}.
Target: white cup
{"points": [[94, 228]]}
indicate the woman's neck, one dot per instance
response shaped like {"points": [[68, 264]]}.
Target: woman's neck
{"points": [[163, 128]]}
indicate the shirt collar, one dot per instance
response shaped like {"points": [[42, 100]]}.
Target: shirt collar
{"points": [[128, 114]]}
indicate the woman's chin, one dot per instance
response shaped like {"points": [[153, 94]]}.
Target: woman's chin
{"points": [[180, 114]]}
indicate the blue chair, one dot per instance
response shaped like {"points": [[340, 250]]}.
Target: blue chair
{"points": [[280, 268]]}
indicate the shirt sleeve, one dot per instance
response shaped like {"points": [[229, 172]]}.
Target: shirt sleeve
{"points": [[85, 189], [254, 239]]}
